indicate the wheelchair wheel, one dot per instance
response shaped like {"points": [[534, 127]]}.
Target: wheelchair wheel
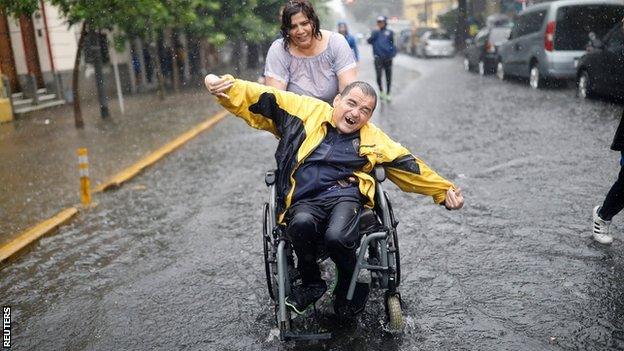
{"points": [[270, 264], [396, 323]]}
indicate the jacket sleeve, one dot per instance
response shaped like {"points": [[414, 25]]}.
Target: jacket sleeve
{"points": [[372, 38], [268, 108], [411, 174]]}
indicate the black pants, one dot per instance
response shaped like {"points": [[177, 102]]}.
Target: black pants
{"points": [[386, 65], [614, 202], [333, 222]]}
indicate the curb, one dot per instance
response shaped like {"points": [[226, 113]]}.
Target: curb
{"points": [[128, 173], [49, 225], [34, 233]]}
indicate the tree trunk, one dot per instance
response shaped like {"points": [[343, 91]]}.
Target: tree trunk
{"points": [[462, 30], [175, 69], [236, 56], [253, 55], [78, 121], [155, 58], [95, 48]]}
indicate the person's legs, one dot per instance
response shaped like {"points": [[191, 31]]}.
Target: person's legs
{"points": [[305, 220], [614, 202], [612, 205], [388, 72], [342, 239], [378, 67]]}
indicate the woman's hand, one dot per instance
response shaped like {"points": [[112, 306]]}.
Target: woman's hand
{"points": [[218, 86]]}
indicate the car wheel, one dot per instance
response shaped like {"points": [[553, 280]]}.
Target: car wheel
{"points": [[466, 65], [535, 79], [481, 68], [583, 86], [500, 71]]}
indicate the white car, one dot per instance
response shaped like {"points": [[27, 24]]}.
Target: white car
{"points": [[434, 43]]}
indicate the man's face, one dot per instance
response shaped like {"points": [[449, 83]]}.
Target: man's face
{"points": [[301, 29], [352, 111], [381, 24]]}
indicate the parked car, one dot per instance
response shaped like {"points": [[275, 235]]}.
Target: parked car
{"points": [[547, 38], [404, 42], [601, 70], [482, 51], [434, 43], [417, 32]]}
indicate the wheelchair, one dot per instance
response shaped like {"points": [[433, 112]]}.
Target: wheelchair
{"points": [[378, 253]]}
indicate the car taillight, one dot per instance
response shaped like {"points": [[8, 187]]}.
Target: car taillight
{"points": [[549, 36], [489, 47]]}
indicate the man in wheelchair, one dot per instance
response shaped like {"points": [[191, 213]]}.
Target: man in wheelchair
{"points": [[324, 157]]}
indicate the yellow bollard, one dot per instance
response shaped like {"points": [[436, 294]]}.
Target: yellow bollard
{"points": [[85, 182]]}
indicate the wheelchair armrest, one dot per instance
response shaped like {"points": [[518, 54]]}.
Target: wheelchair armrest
{"points": [[379, 173], [270, 177]]}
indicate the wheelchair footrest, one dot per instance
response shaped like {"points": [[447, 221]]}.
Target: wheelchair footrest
{"points": [[288, 335]]}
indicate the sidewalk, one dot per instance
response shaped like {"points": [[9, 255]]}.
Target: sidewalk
{"points": [[39, 172]]}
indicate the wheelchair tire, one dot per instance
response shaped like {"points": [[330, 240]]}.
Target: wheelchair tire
{"points": [[270, 266], [396, 323]]}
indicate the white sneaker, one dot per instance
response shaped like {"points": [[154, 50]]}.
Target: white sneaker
{"points": [[601, 228]]}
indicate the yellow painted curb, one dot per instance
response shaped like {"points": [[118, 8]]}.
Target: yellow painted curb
{"points": [[36, 232], [45, 227], [150, 159]]}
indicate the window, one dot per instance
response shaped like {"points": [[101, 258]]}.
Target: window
{"points": [[616, 41], [574, 23], [529, 23]]}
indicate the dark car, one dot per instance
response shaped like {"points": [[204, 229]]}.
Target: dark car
{"points": [[481, 52], [601, 70]]}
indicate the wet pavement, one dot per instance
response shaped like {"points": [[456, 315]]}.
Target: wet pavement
{"points": [[173, 259]]}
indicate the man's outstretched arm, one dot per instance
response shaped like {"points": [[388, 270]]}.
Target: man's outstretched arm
{"points": [[261, 106]]}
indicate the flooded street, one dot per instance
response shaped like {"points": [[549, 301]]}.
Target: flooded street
{"points": [[173, 259]]}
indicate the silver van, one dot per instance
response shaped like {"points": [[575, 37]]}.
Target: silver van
{"points": [[547, 39]]}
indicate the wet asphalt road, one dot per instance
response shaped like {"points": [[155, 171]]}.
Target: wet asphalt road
{"points": [[173, 260]]}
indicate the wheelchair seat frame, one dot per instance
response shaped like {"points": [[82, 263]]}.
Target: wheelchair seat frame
{"points": [[378, 253]]}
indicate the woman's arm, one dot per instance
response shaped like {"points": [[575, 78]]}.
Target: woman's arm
{"points": [[275, 83], [346, 77]]}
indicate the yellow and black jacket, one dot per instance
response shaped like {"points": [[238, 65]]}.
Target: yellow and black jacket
{"points": [[300, 122]]}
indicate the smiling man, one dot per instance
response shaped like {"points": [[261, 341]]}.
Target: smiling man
{"points": [[324, 158]]}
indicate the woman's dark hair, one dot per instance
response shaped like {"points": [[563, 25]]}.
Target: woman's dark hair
{"points": [[294, 7]]}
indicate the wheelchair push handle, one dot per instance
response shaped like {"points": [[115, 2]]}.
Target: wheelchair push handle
{"points": [[379, 173]]}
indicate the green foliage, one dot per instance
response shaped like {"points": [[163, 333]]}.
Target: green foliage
{"points": [[19, 7]]}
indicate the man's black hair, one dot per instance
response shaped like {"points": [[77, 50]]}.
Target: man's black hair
{"points": [[366, 88], [294, 7]]}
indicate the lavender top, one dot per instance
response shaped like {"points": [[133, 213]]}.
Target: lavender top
{"points": [[315, 76]]}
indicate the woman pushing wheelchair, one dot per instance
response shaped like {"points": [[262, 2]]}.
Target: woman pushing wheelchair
{"points": [[324, 158]]}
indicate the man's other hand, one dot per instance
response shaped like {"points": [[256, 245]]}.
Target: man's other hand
{"points": [[218, 86], [454, 199]]}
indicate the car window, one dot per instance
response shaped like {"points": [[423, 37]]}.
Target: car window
{"points": [[499, 35], [529, 23], [439, 36], [481, 37], [616, 40], [574, 23]]}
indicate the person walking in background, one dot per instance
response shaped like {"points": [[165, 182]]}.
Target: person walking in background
{"points": [[614, 202], [344, 30], [384, 51], [307, 60]]}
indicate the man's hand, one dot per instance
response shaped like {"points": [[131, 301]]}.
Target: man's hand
{"points": [[218, 86], [454, 199]]}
